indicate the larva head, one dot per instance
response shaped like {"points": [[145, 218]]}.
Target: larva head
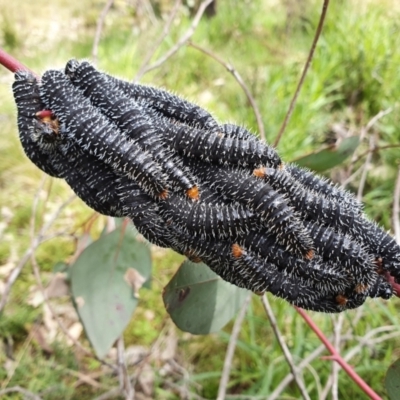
{"points": [[25, 76], [45, 135], [26, 93], [381, 288], [71, 67], [81, 73]]}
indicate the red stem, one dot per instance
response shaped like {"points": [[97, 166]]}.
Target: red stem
{"points": [[337, 357], [11, 63]]}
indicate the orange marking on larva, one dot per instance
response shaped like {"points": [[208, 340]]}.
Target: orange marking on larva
{"points": [[220, 134], [341, 300], [361, 288], [309, 255], [260, 172], [163, 195], [281, 166], [193, 193], [237, 251]]}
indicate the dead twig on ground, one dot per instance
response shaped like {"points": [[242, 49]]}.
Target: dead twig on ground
{"points": [[19, 389], [36, 240], [125, 384]]}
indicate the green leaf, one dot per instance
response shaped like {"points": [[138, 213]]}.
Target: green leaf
{"points": [[329, 157], [103, 281], [60, 266], [199, 301], [392, 381]]}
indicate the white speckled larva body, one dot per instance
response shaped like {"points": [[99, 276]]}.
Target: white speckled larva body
{"points": [[210, 191]]}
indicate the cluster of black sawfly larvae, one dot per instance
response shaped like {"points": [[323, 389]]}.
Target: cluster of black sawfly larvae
{"points": [[210, 191]]}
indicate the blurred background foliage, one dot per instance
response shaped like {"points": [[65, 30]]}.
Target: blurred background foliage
{"points": [[354, 75]]}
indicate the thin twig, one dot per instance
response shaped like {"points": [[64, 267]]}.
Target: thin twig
{"points": [[351, 178], [26, 257], [288, 356], [99, 28], [148, 7], [185, 377], [306, 361], [335, 367], [65, 331], [396, 209], [242, 84], [303, 75], [223, 383], [332, 382], [375, 150], [289, 377], [363, 133], [367, 339], [15, 273], [182, 393], [125, 384], [21, 354], [36, 240], [376, 118], [181, 42], [111, 394], [365, 170], [338, 358], [157, 43], [19, 389]]}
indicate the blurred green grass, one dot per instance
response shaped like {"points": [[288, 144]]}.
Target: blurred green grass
{"points": [[355, 74]]}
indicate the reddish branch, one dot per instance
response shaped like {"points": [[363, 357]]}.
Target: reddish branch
{"points": [[11, 63], [14, 65], [335, 356]]}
